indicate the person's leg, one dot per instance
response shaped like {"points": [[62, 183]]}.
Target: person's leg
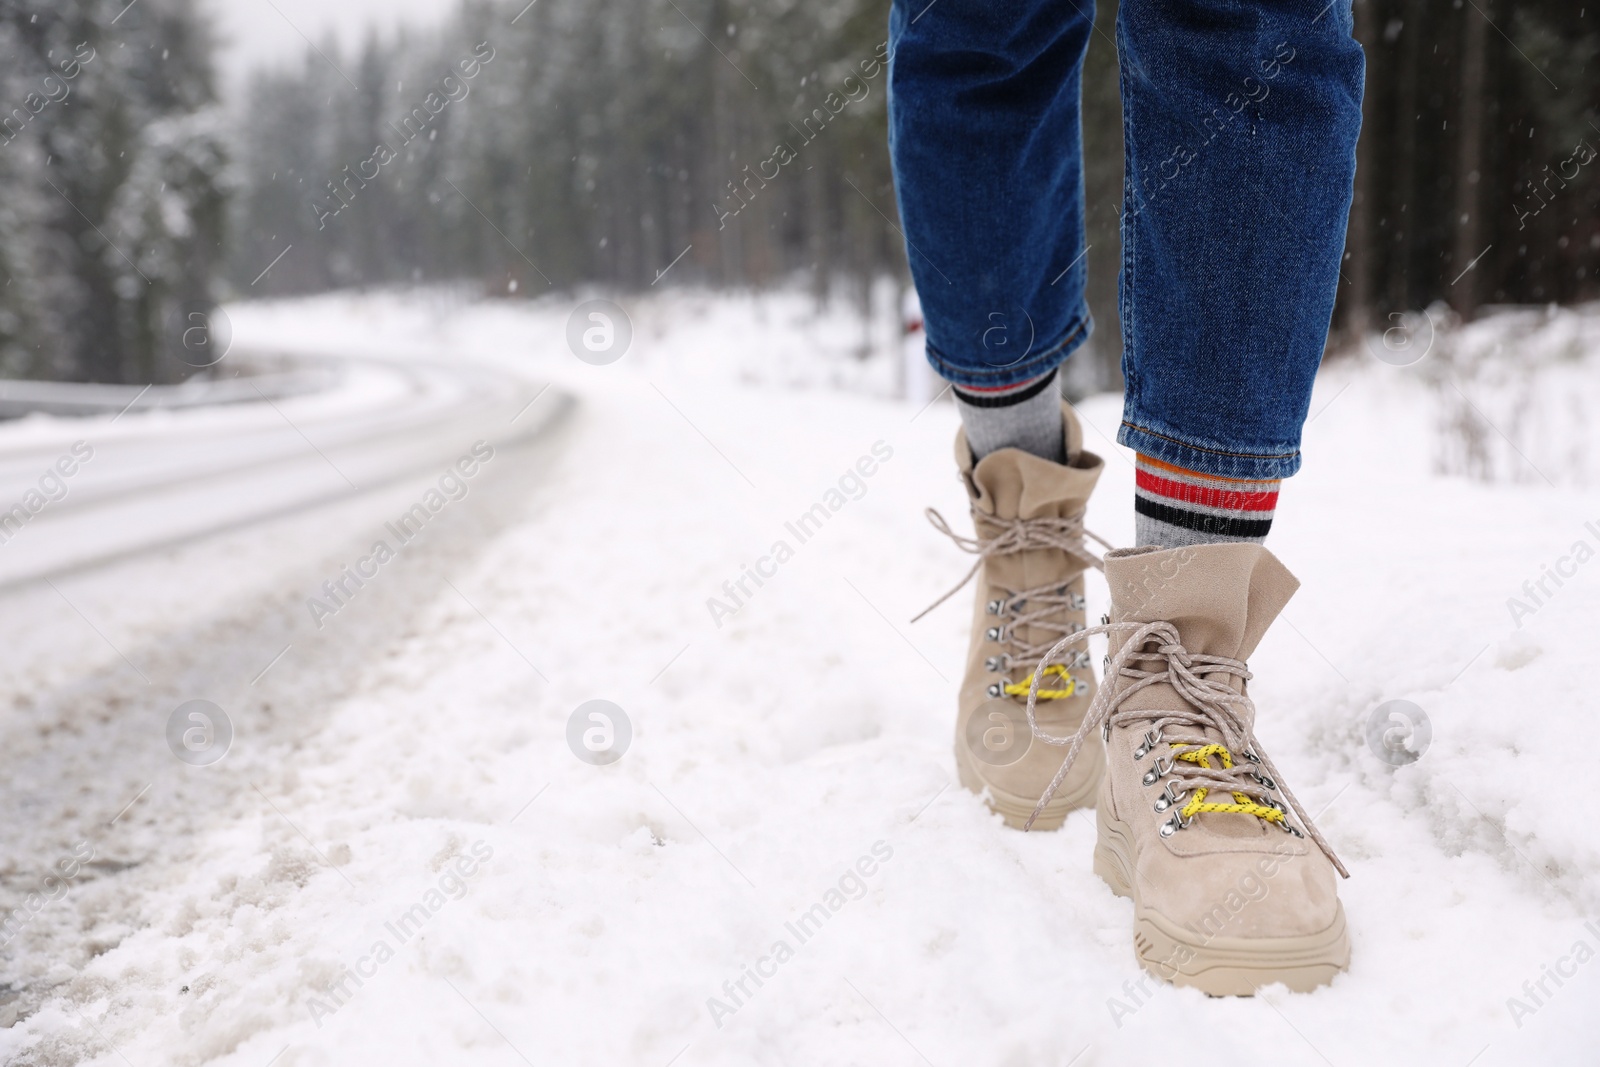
{"points": [[1232, 234], [984, 136], [983, 120], [1241, 119]]}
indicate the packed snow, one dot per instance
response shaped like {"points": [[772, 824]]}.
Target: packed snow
{"points": [[409, 855]]}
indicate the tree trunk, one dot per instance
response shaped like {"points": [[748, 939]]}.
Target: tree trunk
{"points": [[1407, 56], [1358, 238], [1469, 157]]}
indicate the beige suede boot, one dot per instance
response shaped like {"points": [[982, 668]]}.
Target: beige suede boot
{"points": [[1028, 515], [1233, 888]]}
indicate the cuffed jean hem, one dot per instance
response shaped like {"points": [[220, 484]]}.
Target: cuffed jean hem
{"points": [[958, 372], [1207, 457]]}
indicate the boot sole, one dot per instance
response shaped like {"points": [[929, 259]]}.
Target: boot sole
{"points": [[1220, 966], [1016, 809]]}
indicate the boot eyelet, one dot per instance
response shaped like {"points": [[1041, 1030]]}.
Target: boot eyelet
{"points": [[1174, 824], [1266, 783], [996, 606], [1289, 829], [1105, 620], [1105, 730], [1076, 602], [995, 633], [1159, 771], [993, 664], [1169, 796], [996, 690], [1151, 740]]}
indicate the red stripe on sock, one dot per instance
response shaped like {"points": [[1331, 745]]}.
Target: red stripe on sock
{"points": [[1226, 499], [1012, 388]]}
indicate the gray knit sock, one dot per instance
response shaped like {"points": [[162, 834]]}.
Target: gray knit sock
{"points": [[1174, 506], [1026, 416]]}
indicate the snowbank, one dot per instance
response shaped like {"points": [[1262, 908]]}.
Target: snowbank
{"points": [[414, 783]]}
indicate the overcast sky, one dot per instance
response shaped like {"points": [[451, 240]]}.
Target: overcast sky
{"points": [[258, 32]]}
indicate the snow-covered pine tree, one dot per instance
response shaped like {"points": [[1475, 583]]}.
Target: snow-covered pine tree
{"points": [[100, 93]]}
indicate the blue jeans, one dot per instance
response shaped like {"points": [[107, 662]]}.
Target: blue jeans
{"points": [[1240, 121]]}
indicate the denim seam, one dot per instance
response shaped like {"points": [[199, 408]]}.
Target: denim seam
{"points": [[1049, 359], [1207, 460], [1130, 371], [1213, 451]]}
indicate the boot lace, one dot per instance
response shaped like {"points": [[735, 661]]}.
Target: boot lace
{"points": [[1035, 610], [1152, 655]]}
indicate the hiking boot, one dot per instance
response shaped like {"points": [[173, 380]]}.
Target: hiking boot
{"points": [[1233, 888], [1028, 516]]}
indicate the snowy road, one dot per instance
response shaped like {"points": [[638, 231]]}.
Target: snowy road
{"points": [[105, 487], [173, 558], [401, 860]]}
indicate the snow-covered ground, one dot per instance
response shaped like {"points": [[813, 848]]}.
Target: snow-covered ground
{"points": [[402, 859]]}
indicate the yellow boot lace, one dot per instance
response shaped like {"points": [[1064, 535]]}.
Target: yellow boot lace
{"points": [[1243, 804], [1024, 687]]}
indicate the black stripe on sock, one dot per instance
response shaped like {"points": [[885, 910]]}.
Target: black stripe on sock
{"points": [[1221, 525], [1005, 400]]}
